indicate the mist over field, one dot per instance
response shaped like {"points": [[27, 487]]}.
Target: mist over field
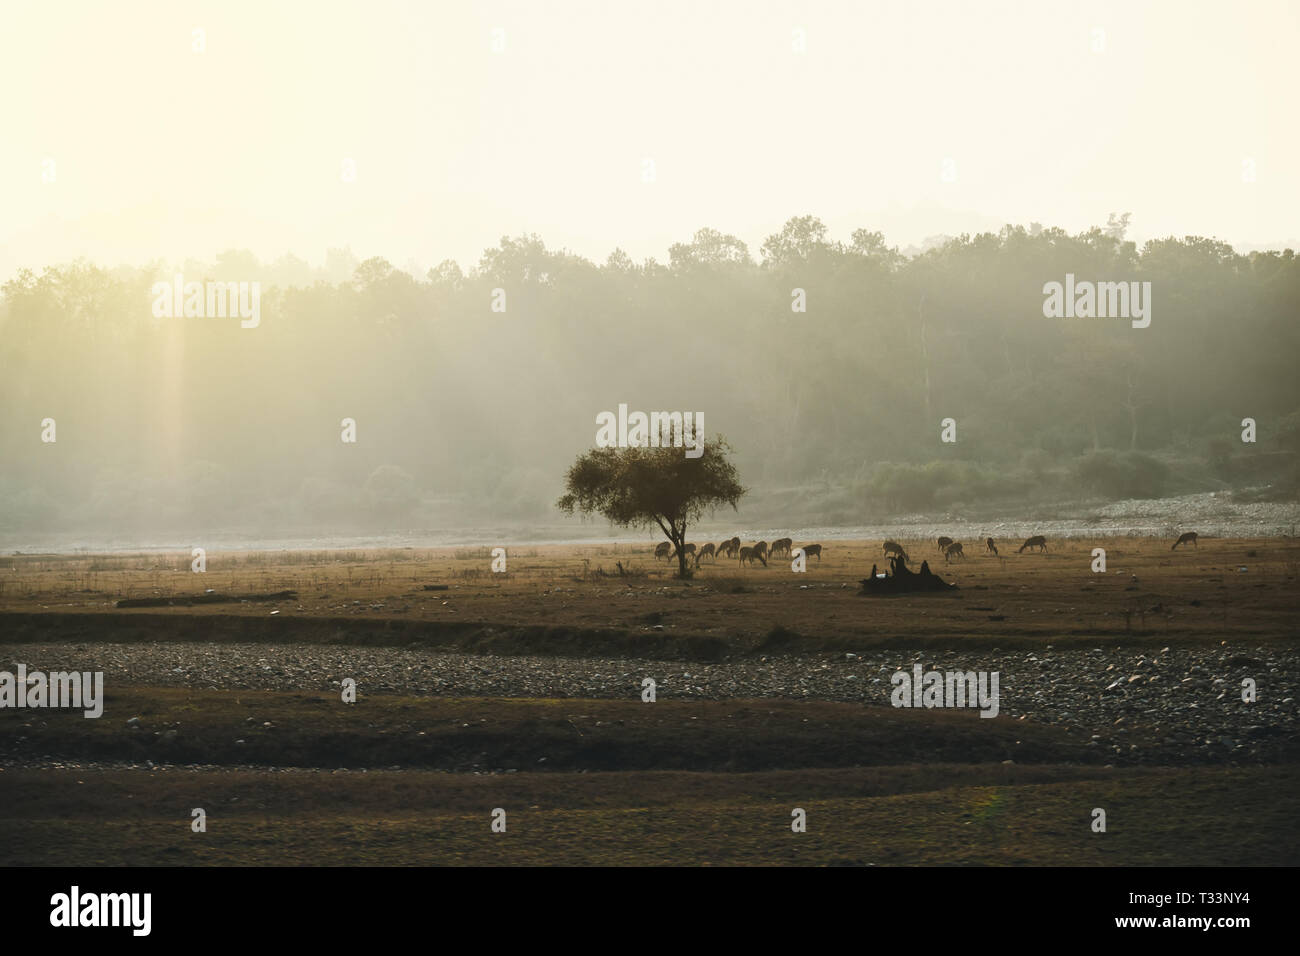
{"points": [[587, 433], [443, 238], [465, 415]]}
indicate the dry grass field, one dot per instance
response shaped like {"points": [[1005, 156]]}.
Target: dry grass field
{"points": [[938, 815], [410, 773], [1243, 587]]}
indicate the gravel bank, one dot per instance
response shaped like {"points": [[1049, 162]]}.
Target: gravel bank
{"points": [[1176, 705], [1212, 513]]}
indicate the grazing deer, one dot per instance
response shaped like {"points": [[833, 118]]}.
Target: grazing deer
{"points": [[747, 555], [953, 550], [990, 546], [781, 546], [810, 549], [734, 547], [724, 547], [689, 549], [944, 542], [665, 548], [1037, 541], [760, 551], [704, 552], [1183, 539], [893, 547]]}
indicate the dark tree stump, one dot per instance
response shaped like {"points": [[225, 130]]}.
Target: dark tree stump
{"points": [[903, 581]]}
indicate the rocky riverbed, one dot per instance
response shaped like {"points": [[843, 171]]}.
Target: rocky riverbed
{"points": [[1171, 705]]}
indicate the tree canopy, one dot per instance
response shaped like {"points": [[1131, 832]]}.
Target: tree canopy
{"points": [[643, 487]]}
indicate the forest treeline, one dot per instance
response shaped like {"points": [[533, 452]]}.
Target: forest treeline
{"points": [[464, 414]]}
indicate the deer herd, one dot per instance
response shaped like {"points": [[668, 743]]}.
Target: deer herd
{"points": [[760, 552], [784, 547]]}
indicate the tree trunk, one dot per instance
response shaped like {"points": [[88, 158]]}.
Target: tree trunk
{"points": [[1132, 405], [925, 363]]}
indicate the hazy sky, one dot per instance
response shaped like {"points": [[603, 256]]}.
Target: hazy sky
{"points": [[161, 151]]}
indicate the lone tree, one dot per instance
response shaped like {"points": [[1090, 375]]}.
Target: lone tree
{"points": [[641, 486]]}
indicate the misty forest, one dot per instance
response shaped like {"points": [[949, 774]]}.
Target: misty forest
{"points": [[469, 414]]}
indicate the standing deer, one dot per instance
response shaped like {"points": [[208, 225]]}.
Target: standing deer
{"points": [[989, 546], [1183, 539], [944, 542], [893, 547], [781, 546], [1037, 541], [953, 550], [665, 548], [810, 549]]}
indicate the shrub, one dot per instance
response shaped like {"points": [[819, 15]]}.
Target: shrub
{"points": [[1126, 474]]}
